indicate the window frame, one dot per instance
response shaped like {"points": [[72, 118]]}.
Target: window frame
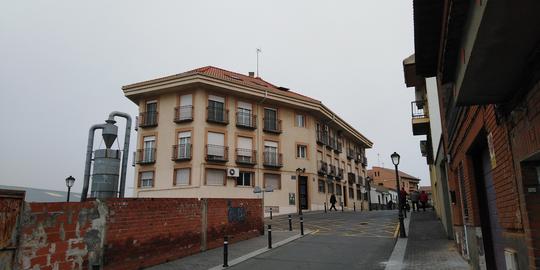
{"points": [[298, 145], [140, 180], [251, 180], [175, 180], [224, 183], [323, 186], [304, 120]]}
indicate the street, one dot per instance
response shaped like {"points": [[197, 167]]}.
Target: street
{"points": [[341, 240]]}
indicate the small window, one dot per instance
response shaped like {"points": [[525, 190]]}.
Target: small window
{"points": [[147, 179], [321, 186], [272, 180], [351, 193], [245, 179], [358, 195], [215, 177], [182, 177], [301, 151], [300, 120]]}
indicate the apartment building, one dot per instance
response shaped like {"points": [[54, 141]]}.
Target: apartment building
{"points": [[196, 128], [387, 177]]}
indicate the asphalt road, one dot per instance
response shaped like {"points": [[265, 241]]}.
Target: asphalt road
{"points": [[341, 240]]}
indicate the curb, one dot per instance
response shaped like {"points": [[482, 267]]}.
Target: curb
{"points": [[395, 262], [261, 251]]}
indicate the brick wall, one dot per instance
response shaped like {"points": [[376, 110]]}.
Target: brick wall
{"points": [[128, 233]]}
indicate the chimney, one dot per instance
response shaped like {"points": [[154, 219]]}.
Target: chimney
{"points": [[251, 74]]}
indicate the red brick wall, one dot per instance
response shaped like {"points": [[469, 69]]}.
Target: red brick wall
{"points": [[137, 232]]}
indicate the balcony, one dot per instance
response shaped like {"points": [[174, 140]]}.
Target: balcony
{"points": [[339, 174], [272, 159], [183, 114], [145, 156], [338, 148], [181, 152], [332, 171], [246, 120], [217, 115], [217, 153], [148, 119], [364, 161], [322, 168], [351, 177], [350, 154], [272, 125], [420, 117], [246, 156], [322, 138]]}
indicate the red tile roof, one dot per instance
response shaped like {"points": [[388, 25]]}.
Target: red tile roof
{"points": [[402, 174]]}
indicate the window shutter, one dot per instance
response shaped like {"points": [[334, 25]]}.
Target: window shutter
{"points": [[244, 105], [216, 98], [186, 100], [245, 143], [215, 177]]}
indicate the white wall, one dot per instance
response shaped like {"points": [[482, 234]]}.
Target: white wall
{"points": [[434, 112]]}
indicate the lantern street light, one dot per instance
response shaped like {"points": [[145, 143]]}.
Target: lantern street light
{"points": [[69, 183], [395, 160]]}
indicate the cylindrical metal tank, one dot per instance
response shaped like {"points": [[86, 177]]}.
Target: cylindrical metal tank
{"points": [[105, 173]]}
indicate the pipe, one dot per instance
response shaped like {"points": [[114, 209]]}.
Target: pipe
{"points": [[88, 162], [125, 151]]}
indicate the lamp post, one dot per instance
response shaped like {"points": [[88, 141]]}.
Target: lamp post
{"points": [[368, 180], [395, 160], [69, 183]]}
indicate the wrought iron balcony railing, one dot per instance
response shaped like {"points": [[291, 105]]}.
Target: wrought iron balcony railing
{"points": [[145, 156], [246, 156], [217, 115], [217, 153], [246, 120], [322, 168], [181, 152], [272, 125], [418, 109], [272, 159], [148, 119], [183, 114]]}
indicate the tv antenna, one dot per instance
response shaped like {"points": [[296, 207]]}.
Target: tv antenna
{"points": [[258, 51]]}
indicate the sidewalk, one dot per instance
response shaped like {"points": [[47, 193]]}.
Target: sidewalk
{"points": [[214, 257], [426, 246]]}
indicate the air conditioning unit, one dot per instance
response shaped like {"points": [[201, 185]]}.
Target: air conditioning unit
{"points": [[233, 172]]}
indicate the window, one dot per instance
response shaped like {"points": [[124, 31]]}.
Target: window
{"points": [[322, 186], [301, 151], [351, 193], [271, 153], [181, 176], [244, 152], [245, 179], [270, 119], [244, 116], [184, 145], [338, 190], [216, 108], [300, 120], [358, 194], [149, 118], [216, 148], [149, 145], [185, 110], [272, 180], [331, 188], [146, 179], [215, 177]]}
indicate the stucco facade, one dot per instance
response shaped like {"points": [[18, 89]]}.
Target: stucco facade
{"points": [[201, 123]]}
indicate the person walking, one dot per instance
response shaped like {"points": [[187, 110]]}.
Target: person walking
{"points": [[415, 196], [333, 202], [424, 199], [403, 199]]}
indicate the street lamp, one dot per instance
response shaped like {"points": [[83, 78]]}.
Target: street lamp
{"points": [[395, 160], [298, 172], [368, 180], [69, 183]]}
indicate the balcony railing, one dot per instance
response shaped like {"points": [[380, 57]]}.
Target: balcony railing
{"points": [[364, 161], [351, 177], [272, 159], [183, 113], [217, 153], [145, 156], [148, 119], [246, 156], [339, 174], [181, 152], [246, 120], [320, 137], [217, 115], [322, 167], [332, 171], [418, 109], [272, 125], [350, 154]]}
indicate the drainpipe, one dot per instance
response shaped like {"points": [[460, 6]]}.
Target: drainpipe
{"points": [[125, 153], [257, 140], [87, 165]]}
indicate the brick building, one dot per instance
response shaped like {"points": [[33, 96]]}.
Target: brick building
{"points": [[387, 178], [485, 57]]}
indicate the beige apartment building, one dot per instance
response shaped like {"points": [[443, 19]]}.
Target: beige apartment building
{"points": [[197, 129]]}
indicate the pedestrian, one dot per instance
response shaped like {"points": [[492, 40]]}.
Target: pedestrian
{"points": [[414, 199], [403, 198], [333, 202], [424, 199], [390, 204]]}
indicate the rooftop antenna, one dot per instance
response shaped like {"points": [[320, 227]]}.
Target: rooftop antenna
{"points": [[258, 51], [378, 160]]}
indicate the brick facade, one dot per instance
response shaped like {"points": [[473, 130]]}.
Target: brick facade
{"points": [[129, 233]]}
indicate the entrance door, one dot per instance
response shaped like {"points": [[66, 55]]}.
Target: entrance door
{"points": [[303, 192], [345, 195]]}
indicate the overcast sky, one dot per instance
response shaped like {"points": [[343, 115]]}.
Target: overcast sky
{"points": [[62, 65]]}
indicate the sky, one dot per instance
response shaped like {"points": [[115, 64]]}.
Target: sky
{"points": [[63, 64]]}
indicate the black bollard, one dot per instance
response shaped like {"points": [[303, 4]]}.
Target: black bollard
{"points": [[354, 206], [342, 207], [269, 236], [290, 223], [301, 225], [226, 251], [325, 207], [270, 212]]}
